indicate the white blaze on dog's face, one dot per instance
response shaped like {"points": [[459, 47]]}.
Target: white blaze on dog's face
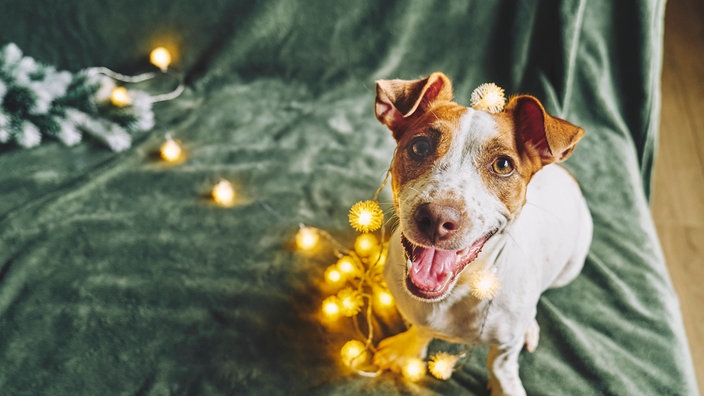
{"points": [[460, 175]]}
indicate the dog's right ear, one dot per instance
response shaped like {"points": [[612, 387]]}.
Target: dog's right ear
{"points": [[398, 101]]}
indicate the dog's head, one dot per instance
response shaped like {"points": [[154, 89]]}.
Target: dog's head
{"points": [[460, 175]]}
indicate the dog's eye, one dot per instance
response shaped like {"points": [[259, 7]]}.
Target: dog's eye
{"points": [[420, 148], [502, 166]]}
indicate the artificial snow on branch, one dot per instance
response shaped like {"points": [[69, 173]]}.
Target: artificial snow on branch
{"points": [[37, 102]]}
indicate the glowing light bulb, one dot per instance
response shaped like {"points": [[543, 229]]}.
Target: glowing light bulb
{"points": [[365, 245], [171, 151], [223, 193], [120, 97], [161, 58], [307, 238], [331, 307], [366, 216], [346, 265], [442, 364], [333, 275], [351, 301], [484, 284], [354, 353], [384, 298], [413, 369]]}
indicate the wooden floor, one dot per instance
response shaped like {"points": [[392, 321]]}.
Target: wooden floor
{"points": [[678, 192]]}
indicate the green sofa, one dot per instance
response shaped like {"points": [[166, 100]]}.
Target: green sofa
{"points": [[118, 274]]}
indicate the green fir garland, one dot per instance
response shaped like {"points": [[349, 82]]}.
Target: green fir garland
{"points": [[38, 101]]}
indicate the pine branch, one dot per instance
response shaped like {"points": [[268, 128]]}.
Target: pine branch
{"points": [[37, 101]]}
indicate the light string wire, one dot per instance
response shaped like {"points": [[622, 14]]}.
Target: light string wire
{"points": [[124, 78], [366, 284], [146, 77]]}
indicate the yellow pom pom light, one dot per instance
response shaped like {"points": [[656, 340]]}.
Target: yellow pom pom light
{"points": [[488, 97], [442, 364], [383, 298], [484, 284], [366, 216], [351, 301], [354, 353], [171, 151], [413, 369], [223, 193], [333, 275], [331, 307], [120, 97], [160, 57], [366, 244], [347, 266], [307, 238]]}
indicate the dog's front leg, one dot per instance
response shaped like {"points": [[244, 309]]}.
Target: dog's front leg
{"points": [[394, 351], [502, 362]]}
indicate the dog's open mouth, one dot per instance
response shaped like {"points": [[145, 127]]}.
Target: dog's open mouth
{"points": [[431, 271]]}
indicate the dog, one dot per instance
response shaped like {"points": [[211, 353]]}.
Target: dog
{"points": [[477, 191]]}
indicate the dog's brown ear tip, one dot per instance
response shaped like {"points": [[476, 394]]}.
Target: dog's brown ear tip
{"points": [[440, 79], [397, 101], [437, 76], [381, 87], [381, 108]]}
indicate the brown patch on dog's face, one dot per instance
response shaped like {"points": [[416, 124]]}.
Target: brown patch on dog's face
{"points": [[499, 154], [434, 130], [509, 186], [469, 164]]}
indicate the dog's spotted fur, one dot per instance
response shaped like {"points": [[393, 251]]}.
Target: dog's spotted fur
{"points": [[538, 224]]}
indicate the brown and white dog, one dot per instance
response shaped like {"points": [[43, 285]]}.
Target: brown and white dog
{"points": [[477, 191]]}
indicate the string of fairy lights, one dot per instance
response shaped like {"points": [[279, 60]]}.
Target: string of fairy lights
{"points": [[357, 288], [354, 282], [159, 57], [171, 150]]}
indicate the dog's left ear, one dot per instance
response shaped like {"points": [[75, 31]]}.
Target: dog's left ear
{"points": [[398, 101], [552, 139]]}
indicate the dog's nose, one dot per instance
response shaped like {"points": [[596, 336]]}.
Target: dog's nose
{"points": [[437, 222]]}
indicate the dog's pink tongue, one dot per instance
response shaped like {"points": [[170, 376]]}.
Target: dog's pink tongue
{"points": [[431, 267]]}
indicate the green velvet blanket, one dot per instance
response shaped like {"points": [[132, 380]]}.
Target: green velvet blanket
{"points": [[118, 275]]}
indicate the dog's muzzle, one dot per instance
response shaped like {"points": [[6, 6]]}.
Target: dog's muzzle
{"points": [[431, 272]]}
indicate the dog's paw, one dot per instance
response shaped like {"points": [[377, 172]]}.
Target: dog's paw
{"points": [[532, 336], [393, 352]]}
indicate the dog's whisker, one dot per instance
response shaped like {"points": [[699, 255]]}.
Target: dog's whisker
{"points": [[414, 189], [515, 242], [544, 210]]}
